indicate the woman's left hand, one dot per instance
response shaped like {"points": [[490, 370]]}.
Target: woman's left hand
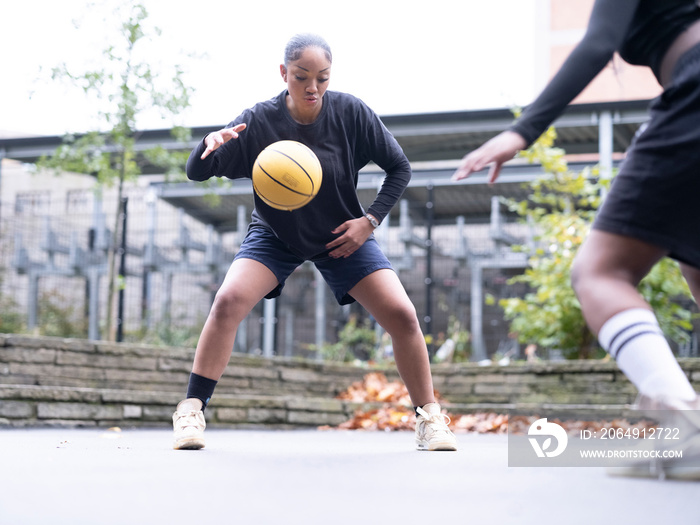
{"points": [[354, 234]]}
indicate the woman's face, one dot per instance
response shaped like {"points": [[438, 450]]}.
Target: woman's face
{"points": [[307, 80]]}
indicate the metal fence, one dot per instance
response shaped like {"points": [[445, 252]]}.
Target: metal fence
{"points": [[53, 277], [53, 267]]}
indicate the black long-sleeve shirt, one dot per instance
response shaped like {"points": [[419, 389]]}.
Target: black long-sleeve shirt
{"points": [[640, 30], [346, 136]]}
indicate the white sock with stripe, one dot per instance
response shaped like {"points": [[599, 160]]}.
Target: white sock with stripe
{"points": [[635, 340]]}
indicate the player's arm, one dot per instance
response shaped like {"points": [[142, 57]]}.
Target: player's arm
{"points": [[202, 163], [606, 30]]}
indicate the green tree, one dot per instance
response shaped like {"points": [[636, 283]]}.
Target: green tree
{"points": [[126, 86], [561, 209]]}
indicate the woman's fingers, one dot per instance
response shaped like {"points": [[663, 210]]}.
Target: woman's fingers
{"points": [[495, 152], [215, 140], [232, 133]]}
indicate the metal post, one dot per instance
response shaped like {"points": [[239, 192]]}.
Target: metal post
{"points": [[241, 341], [33, 301], [405, 234], [102, 238], [320, 295], [166, 299], [241, 223], [495, 216], [429, 206], [288, 331], [381, 234], [269, 327], [94, 303], [48, 242], [605, 143], [149, 261], [477, 311], [462, 251], [122, 272], [98, 245]]}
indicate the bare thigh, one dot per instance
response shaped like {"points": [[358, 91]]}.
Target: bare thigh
{"points": [[246, 283], [383, 295], [606, 272]]}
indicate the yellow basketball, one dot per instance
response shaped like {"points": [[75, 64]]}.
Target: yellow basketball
{"points": [[287, 175]]}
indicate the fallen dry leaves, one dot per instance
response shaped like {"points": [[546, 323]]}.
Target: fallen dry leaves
{"points": [[376, 387], [398, 413]]}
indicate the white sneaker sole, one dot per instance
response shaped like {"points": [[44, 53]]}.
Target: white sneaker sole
{"points": [[443, 445], [189, 443]]}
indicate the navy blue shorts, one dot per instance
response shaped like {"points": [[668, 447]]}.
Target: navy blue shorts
{"points": [[654, 197], [341, 274]]}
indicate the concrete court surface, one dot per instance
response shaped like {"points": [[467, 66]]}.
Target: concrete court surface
{"points": [[98, 477]]}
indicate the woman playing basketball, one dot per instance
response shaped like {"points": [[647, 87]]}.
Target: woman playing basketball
{"points": [[332, 231], [651, 210]]}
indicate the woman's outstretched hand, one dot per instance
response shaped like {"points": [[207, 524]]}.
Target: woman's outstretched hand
{"points": [[215, 140], [494, 152]]}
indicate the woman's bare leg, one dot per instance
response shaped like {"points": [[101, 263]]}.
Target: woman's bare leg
{"points": [[605, 276], [247, 282], [606, 273], [384, 297]]}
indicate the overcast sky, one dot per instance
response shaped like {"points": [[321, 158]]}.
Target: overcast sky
{"points": [[399, 56]]}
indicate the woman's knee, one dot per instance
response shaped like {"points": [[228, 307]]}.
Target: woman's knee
{"points": [[402, 319], [605, 257], [228, 305]]}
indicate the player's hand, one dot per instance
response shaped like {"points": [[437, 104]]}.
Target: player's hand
{"points": [[494, 152], [215, 140], [354, 234]]}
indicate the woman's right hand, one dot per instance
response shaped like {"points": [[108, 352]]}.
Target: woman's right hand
{"points": [[215, 140]]}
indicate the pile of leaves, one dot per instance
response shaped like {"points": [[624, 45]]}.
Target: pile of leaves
{"points": [[397, 413]]}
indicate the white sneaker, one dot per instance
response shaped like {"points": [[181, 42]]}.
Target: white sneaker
{"points": [[189, 425], [682, 421], [432, 432]]}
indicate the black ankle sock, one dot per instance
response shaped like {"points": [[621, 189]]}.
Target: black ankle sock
{"points": [[201, 388]]}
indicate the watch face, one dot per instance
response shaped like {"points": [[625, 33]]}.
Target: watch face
{"points": [[372, 221]]}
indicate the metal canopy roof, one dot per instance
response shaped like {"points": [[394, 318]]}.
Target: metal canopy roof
{"points": [[470, 198], [441, 136], [433, 142]]}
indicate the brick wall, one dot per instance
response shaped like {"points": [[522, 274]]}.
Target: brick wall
{"points": [[52, 381]]}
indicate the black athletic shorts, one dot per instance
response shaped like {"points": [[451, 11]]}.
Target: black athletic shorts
{"points": [[341, 274], [656, 195]]}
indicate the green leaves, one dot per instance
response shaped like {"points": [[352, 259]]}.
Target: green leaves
{"points": [[561, 207], [125, 87], [128, 85]]}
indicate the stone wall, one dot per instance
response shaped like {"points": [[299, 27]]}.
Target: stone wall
{"points": [[52, 381]]}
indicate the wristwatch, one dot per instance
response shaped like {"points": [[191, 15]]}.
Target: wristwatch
{"points": [[372, 220]]}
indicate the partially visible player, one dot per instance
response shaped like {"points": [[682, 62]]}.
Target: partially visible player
{"points": [[652, 209]]}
